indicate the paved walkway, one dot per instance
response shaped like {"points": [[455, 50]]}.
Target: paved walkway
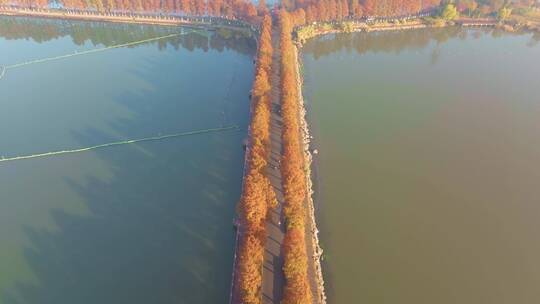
{"points": [[273, 279]]}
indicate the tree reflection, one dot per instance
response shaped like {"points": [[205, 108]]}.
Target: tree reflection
{"points": [[396, 41], [107, 34]]}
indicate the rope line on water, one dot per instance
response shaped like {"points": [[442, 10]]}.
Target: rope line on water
{"points": [[18, 65], [118, 143]]}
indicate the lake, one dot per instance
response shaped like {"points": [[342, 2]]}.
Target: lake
{"points": [[144, 223], [429, 165]]}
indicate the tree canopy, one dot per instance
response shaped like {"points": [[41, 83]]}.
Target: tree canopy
{"points": [[449, 12]]}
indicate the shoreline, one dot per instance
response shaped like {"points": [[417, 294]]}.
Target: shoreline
{"points": [[316, 250], [207, 22], [368, 29], [361, 27]]}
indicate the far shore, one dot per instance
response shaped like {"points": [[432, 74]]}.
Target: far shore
{"points": [[149, 19], [325, 28]]}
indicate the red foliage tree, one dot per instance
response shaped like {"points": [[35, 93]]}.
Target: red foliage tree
{"points": [[257, 195], [297, 290]]}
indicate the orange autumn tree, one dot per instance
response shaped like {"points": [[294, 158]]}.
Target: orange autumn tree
{"points": [[257, 195], [297, 289]]}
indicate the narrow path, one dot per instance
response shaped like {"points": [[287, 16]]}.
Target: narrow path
{"points": [[273, 279]]}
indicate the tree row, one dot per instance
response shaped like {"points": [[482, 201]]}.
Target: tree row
{"points": [[240, 9], [293, 170], [258, 196], [308, 11]]}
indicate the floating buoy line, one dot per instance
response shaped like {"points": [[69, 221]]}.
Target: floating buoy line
{"points": [[117, 143], [3, 70], [77, 53]]}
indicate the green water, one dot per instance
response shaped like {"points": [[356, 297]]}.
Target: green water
{"points": [[428, 168], [142, 223]]}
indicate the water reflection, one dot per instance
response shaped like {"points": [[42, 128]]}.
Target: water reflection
{"points": [[107, 34], [397, 42]]}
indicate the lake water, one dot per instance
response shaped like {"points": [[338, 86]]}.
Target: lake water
{"points": [[141, 223], [429, 165]]}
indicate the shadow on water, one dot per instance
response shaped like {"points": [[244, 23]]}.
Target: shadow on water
{"points": [[158, 228], [156, 234], [107, 34]]}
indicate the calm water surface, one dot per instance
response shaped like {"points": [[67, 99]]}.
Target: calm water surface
{"points": [[429, 165], [143, 223]]}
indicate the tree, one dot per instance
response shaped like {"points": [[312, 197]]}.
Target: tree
{"points": [[472, 6], [262, 8], [469, 5], [332, 9], [369, 7], [250, 260], [356, 9], [484, 10], [496, 5], [504, 13], [310, 14], [347, 27], [39, 3], [345, 10], [528, 3], [322, 10], [299, 17], [449, 12]]}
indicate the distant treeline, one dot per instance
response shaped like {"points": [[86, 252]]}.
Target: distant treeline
{"points": [[240, 9], [309, 11], [107, 34], [302, 11], [258, 195]]}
